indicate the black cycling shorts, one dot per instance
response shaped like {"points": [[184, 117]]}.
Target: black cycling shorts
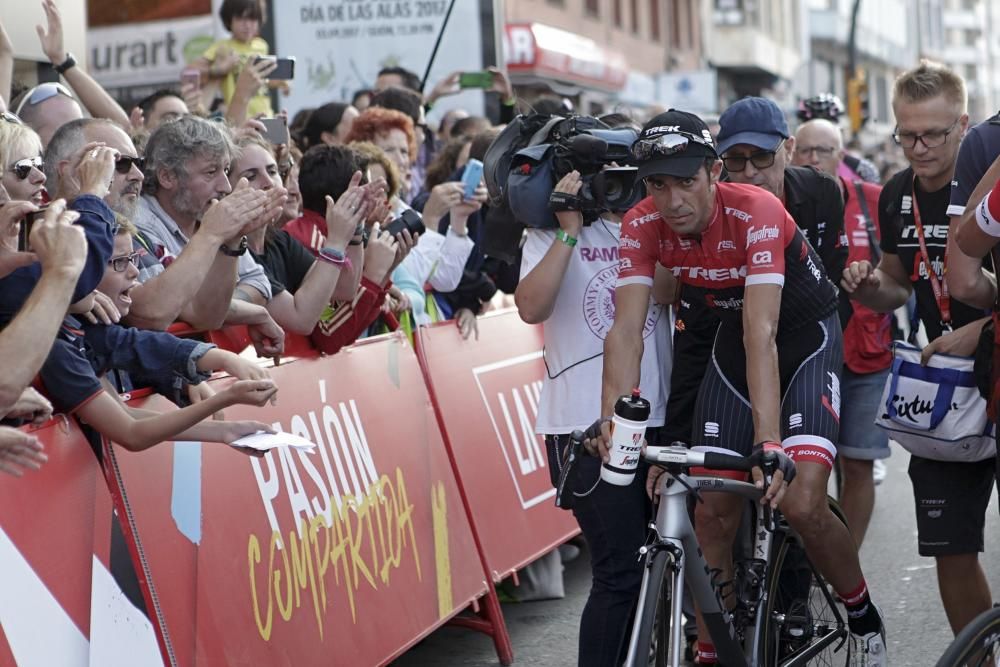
{"points": [[951, 498], [810, 360]]}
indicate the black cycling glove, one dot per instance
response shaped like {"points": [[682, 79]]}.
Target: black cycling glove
{"points": [[772, 454]]}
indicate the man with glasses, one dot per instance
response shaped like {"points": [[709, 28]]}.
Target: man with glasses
{"points": [[867, 334], [777, 356], [929, 103]]}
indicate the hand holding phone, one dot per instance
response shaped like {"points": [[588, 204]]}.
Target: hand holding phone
{"points": [[482, 79], [471, 177], [276, 130], [190, 76], [284, 69], [24, 233]]}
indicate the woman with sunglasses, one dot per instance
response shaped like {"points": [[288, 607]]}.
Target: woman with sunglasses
{"points": [[21, 157]]}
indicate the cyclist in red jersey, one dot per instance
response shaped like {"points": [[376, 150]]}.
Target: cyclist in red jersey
{"points": [[773, 379]]}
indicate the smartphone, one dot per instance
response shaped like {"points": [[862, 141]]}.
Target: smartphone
{"points": [[482, 79], [24, 233], [409, 219], [276, 130], [191, 75], [471, 177], [284, 69]]}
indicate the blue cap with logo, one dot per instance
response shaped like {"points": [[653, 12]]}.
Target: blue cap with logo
{"points": [[755, 121]]}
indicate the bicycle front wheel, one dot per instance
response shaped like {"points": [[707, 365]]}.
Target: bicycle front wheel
{"points": [[653, 631], [977, 645]]}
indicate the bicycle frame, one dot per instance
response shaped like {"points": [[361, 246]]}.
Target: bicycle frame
{"points": [[675, 533]]}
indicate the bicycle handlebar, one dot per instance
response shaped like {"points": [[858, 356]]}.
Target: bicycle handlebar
{"points": [[686, 457]]}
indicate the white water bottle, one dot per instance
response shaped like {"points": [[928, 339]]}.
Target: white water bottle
{"points": [[628, 428]]}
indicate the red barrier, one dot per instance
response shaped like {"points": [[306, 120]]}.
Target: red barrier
{"points": [[487, 394], [345, 556]]}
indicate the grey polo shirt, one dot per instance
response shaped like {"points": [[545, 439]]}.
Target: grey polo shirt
{"points": [[165, 241]]}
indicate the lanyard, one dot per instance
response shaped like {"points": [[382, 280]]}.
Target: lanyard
{"points": [[940, 289]]}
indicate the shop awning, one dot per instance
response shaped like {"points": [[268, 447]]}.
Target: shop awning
{"points": [[544, 52]]}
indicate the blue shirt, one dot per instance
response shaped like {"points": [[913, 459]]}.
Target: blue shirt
{"points": [[84, 352]]}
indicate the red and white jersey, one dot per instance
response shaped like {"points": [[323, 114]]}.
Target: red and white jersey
{"points": [[751, 240]]}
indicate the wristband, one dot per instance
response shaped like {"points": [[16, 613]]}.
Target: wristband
{"points": [[335, 257], [769, 446], [984, 216], [65, 65], [566, 238]]}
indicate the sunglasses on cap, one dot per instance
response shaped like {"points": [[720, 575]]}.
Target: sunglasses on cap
{"points": [[666, 145], [124, 163], [40, 93], [23, 167], [10, 118]]}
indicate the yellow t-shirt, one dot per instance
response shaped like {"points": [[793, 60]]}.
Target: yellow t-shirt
{"points": [[260, 103]]}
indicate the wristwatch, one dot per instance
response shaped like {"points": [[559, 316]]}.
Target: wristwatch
{"points": [[65, 65], [238, 252]]}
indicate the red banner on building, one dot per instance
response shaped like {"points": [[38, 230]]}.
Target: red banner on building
{"points": [[346, 555], [488, 392]]}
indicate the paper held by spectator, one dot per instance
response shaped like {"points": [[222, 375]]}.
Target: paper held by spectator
{"points": [[263, 441]]}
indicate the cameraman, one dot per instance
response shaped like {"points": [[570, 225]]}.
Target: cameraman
{"points": [[567, 283]]}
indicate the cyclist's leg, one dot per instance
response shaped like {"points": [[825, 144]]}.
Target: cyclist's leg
{"points": [[613, 520], [810, 415], [951, 501], [722, 422]]}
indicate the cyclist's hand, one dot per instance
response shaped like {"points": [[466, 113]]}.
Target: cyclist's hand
{"points": [[784, 472], [859, 276], [597, 439], [652, 488]]}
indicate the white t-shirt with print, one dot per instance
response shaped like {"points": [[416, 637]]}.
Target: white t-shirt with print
{"points": [[581, 317]]}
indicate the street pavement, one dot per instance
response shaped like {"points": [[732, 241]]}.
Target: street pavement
{"points": [[902, 583]]}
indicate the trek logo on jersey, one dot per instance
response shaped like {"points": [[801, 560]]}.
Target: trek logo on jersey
{"points": [[738, 214], [711, 275], [629, 242], [906, 204], [726, 245], [762, 257], [813, 269], [755, 235], [643, 219], [930, 232]]}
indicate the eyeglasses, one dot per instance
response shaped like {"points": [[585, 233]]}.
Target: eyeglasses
{"points": [[10, 118], [666, 145], [22, 168], [931, 139], [124, 163], [759, 160], [40, 93], [122, 262], [820, 151]]}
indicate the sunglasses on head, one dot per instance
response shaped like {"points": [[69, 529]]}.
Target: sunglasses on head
{"points": [[664, 145], [10, 118], [124, 163], [22, 168], [40, 93]]}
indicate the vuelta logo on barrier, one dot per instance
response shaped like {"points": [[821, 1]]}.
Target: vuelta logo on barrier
{"points": [[336, 521], [510, 390]]}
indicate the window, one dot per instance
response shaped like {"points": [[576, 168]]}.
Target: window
{"points": [[616, 10], [654, 19], [592, 7], [635, 16]]}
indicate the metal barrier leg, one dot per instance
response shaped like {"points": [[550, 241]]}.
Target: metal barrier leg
{"points": [[489, 620]]}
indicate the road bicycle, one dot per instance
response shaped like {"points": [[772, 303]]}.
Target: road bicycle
{"points": [[784, 616], [978, 645]]}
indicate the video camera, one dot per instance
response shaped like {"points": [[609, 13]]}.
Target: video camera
{"points": [[526, 161]]}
